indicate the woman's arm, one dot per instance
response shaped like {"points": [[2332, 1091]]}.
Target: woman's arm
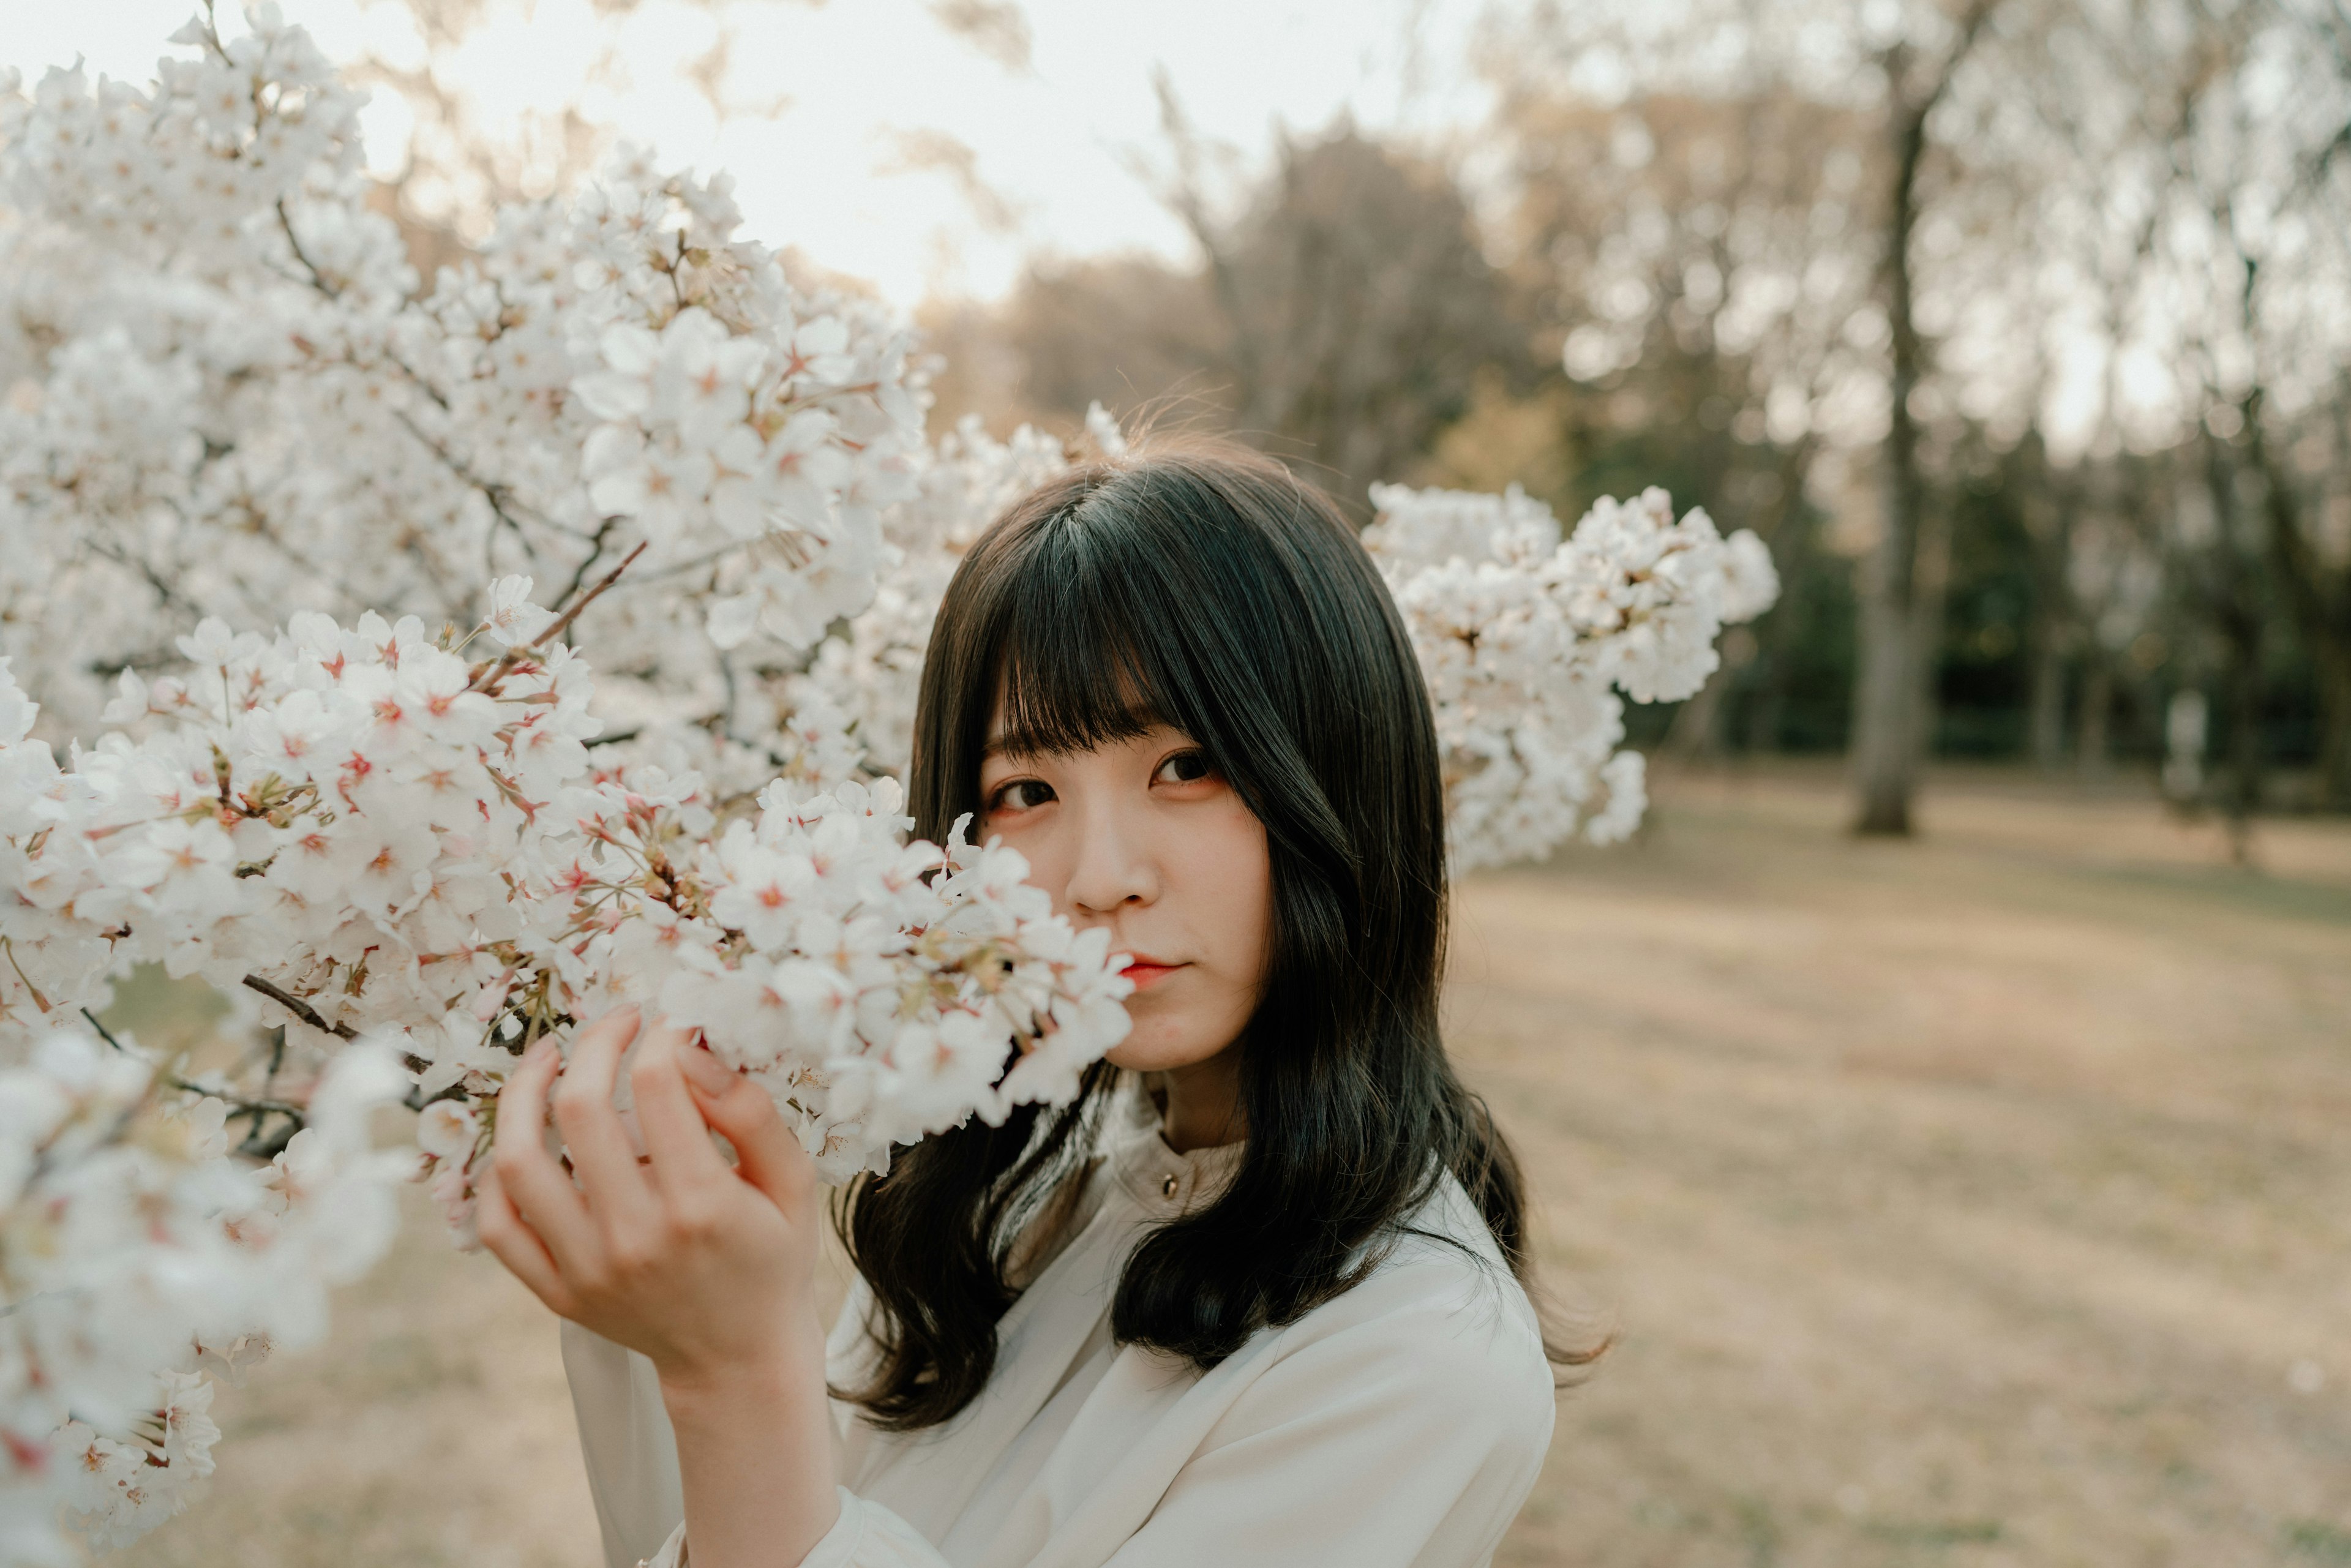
{"points": [[755, 1452], [709, 1271]]}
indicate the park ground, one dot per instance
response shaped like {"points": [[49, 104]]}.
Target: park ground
{"points": [[1982, 1199]]}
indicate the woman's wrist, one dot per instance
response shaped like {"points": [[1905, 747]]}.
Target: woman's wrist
{"points": [[728, 1395], [754, 1453], [789, 1372]]}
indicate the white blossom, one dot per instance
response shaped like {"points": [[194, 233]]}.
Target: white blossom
{"points": [[1531, 642], [131, 1241]]}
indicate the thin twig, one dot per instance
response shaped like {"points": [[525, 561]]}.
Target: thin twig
{"points": [[254, 1145], [555, 627], [239, 1104], [514, 655], [301, 1009], [587, 564], [319, 279], [416, 1099], [311, 1016], [104, 1033]]}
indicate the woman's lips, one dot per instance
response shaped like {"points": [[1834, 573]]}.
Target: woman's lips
{"points": [[1148, 972]]}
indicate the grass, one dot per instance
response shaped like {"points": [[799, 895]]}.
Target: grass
{"points": [[1970, 1201]]}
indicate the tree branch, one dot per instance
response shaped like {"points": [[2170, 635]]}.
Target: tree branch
{"points": [[301, 1010], [514, 655], [588, 562]]}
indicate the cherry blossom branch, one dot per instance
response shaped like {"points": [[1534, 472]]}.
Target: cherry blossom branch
{"points": [[255, 1107], [497, 668], [588, 562], [415, 1100], [495, 494], [318, 281], [301, 1009]]}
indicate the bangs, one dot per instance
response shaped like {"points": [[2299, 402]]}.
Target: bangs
{"points": [[1084, 653]]}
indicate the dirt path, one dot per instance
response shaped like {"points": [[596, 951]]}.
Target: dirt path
{"points": [[1976, 1201]]}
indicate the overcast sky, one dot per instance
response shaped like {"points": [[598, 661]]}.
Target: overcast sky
{"points": [[829, 95]]}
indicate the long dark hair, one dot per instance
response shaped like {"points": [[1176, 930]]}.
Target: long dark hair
{"points": [[1208, 588]]}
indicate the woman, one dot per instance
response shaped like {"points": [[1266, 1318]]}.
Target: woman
{"points": [[1255, 1298]]}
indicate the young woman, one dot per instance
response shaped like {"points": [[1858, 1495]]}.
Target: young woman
{"points": [[1255, 1298]]}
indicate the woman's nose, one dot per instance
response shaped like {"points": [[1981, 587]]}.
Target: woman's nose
{"points": [[1112, 867]]}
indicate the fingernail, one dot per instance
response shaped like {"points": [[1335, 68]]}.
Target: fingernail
{"points": [[540, 1049], [704, 1070]]}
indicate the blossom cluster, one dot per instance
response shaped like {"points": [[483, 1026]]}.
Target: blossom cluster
{"points": [[1528, 639], [390, 839], [228, 393], [139, 1257], [378, 833]]}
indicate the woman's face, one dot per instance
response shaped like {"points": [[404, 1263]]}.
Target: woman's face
{"points": [[1142, 838]]}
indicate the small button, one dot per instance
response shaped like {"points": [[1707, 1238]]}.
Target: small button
{"points": [[1167, 1188]]}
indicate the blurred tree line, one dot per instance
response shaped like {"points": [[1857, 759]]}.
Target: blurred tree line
{"points": [[2021, 329]]}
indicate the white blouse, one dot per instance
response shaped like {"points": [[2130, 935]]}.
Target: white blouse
{"points": [[1399, 1426]]}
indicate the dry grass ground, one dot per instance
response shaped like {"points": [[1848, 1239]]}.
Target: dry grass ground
{"points": [[1975, 1201], [1979, 1200]]}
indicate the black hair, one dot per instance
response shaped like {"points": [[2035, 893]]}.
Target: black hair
{"points": [[1207, 588]]}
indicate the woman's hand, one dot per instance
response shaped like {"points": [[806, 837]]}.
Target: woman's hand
{"points": [[709, 1271]]}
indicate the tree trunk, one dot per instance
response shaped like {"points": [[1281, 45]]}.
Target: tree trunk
{"points": [[1884, 719], [2241, 633], [2093, 748], [1886, 734], [2334, 659], [1898, 623], [1767, 715], [2320, 599], [1701, 729], [2049, 503], [2047, 711], [1696, 732]]}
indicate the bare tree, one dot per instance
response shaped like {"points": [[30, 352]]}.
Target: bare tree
{"points": [[1689, 266], [1901, 619], [2255, 256], [1356, 300]]}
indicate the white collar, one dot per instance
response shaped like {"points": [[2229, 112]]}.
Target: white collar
{"points": [[1150, 1171]]}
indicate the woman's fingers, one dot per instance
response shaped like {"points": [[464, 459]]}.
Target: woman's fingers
{"points": [[528, 1172], [677, 1136], [514, 1243], [601, 1153], [767, 1153]]}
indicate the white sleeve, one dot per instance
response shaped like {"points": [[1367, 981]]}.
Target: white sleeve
{"points": [[631, 1457], [1409, 1440], [866, 1535], [625, 1443], [632, 1473]]}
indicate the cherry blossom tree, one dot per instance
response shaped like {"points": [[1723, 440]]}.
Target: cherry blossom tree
{"points": [[601, 569]]}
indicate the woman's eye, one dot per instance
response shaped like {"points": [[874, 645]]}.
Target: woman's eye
{"points": [[1184, 768], [1020, 794]]}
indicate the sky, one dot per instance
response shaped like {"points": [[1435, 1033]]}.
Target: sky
{"points": [[832, 104]]}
